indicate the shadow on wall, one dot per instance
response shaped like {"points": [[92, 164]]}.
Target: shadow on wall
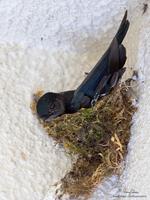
{"points": [[69, 68], [93, 47]]}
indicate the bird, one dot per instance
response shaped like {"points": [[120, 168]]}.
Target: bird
{"points": [[104, 76]]}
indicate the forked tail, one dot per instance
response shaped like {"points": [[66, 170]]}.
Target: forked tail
{"points": [[123, 28]]}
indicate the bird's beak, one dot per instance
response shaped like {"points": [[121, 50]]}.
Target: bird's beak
{"points": [[50, 118]]}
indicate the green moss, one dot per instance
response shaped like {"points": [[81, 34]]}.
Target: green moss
{"points": [[99, 136]]}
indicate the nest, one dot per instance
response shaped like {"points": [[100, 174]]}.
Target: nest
{"points": [[99, 136]]}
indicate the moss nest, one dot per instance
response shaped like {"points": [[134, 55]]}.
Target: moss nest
{"points": [[98, 135]]}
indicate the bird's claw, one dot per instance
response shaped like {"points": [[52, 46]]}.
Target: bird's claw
{"points": [[95, 99]]}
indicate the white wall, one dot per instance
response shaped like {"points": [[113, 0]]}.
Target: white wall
{"points": [[74, 34]]}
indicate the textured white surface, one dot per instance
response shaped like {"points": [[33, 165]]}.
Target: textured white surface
{"points": [[136, 176], [57, 22], [28, 158], [49, 44]]}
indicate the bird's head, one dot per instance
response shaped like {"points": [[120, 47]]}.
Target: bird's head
{"points": [[50, 106]]}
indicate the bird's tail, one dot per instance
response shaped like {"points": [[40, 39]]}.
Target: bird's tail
{"points": [[123, 28], [117, 52], [116, 59]]}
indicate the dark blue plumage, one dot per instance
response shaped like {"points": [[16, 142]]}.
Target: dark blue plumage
{"points": [[106, 73], [99, 82]]}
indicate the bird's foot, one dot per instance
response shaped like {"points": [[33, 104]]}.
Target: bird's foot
{"points": [[95, 99]]}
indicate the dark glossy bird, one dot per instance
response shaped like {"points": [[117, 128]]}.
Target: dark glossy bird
{"points": [[99, 82]]}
